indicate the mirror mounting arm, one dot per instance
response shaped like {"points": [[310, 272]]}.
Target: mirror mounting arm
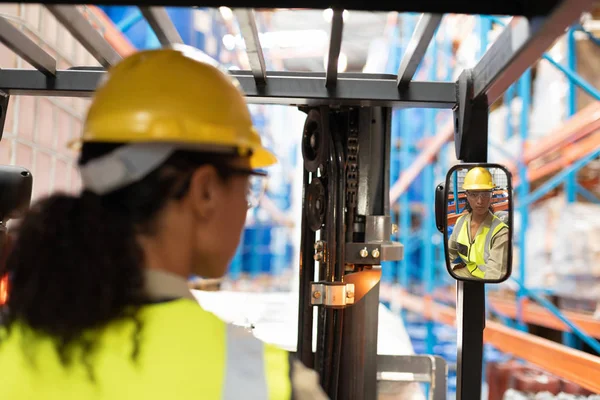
{"points": [[470, 121]]}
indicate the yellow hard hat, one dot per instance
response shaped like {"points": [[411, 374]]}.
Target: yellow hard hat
{"points": [[174, 96], [478, 178]]}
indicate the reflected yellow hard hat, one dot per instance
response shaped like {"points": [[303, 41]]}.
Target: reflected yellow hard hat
{"points": [[478, 178], [174, 95]]}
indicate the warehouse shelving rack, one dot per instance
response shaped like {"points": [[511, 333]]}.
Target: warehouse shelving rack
{"points": [[521, 44]]}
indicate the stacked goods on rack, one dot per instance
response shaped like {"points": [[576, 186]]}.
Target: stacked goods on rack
{"points": [[512, 380], [563, 248]]}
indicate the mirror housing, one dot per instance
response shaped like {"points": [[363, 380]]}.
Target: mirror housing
{"points": [[16, 185], [475, 213], [440, 206]]}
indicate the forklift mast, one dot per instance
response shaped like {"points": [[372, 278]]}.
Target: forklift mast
{"points": [[346, 225]]}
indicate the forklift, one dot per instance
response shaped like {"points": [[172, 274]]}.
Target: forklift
{"points": [[346, 227]]}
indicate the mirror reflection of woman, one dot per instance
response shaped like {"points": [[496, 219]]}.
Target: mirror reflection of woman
{"points": [[478, 246]]}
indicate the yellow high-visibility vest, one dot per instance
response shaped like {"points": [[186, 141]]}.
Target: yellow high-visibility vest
{"points": [[475, 253], [185, 352]]}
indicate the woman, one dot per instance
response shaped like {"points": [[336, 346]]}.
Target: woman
{"points": [[99, 306], [478, 245]]}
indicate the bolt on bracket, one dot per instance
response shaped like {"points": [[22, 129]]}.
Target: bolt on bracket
{"points": [[332, 294]]}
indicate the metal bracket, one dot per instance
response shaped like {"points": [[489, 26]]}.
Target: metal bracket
{"points": [[394, 372], [470, 120], [377, 246], [4, 98], [332, 294]]}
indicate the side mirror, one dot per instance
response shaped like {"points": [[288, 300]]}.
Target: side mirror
{"points": [[477, 218], [15, 191]]}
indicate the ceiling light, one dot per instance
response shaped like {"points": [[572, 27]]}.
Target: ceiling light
{"points": [[328, 15], [229, 42], [226, 13]]}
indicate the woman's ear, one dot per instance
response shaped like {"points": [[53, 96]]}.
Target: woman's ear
{"points": [[205, 192]]}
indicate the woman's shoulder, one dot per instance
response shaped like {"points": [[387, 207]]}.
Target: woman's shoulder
{"points": [[178, 312]]}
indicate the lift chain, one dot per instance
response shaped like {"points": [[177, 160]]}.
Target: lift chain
{"points": [[352, 163]]}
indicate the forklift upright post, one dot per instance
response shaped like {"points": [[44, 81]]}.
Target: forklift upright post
{"points": [[471, 141], [358, 372]]}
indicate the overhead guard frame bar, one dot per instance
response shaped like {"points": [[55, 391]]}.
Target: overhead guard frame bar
{"points": [[248, 28], [520, 45], [74, 21], [417, 47], [26, 48], [162, 25], [335, 47], [283, 88]]}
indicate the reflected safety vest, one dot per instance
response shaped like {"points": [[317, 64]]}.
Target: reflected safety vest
{"points": [[185, 352], [475, 253]]}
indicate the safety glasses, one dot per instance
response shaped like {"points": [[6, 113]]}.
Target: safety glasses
{"points": [[480, 195], [257, 183]]}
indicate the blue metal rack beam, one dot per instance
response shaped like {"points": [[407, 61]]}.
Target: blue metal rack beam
{"points": [[589, 196], [571, 184]]}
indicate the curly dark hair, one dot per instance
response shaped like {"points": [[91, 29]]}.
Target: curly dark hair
{"points": [[76, 264]]}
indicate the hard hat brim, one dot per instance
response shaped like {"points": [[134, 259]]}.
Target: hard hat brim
{"points": [[478, 186], [262, 158]]}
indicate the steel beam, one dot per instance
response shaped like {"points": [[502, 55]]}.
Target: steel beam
{"points": [[335, 46], [162, 25], [84, 33], [23, 46], [285, 88], [247, 21], [415, 51], [522, 43]]}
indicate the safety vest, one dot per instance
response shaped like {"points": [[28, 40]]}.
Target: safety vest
{"points": [[475, 253], [185, 352]]}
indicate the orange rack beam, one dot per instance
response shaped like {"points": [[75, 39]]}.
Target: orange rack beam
{"points": [[566, 157], [575, 128], [574, 139], [532, 313], [537, 315], [576, 366]]}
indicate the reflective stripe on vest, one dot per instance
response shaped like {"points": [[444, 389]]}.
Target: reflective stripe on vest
{"points": [[248, 364], [477, 253]]}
